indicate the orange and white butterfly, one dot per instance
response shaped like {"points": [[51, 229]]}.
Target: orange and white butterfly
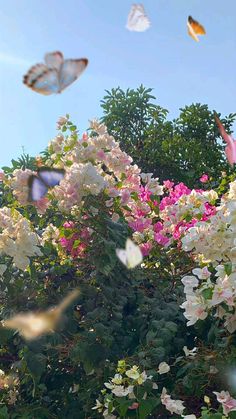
{"points": [[137, 19], [195, 28], [55, 75]]}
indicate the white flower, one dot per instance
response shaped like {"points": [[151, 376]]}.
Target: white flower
{"points": [[189, 417], [117, 379], [190, 352], [163, 368], [98, 406], [121, 391], [174, 406], [202, 273], [133, 372]]}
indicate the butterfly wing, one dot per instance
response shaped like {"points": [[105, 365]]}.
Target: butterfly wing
{"points": [[70, 71], [42, 79], [54, 60], [121, 254], [37, 188], [137, 19], [134, 254], [195, 28], [51, 177], [230, 149], [29, 325]]}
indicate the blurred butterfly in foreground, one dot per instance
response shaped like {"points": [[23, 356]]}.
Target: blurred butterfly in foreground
{"points": [[33, 325], [46, 178], [55, 75], [131, 256], [194, 28], [230, 149], [137, 19]]}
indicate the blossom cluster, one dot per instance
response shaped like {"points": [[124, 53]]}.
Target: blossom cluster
{"points": [[213, 245], [17, 239]]}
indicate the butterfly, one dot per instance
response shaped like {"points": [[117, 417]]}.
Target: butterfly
{"points": [[33, 325], [194, 28], [55, 75], [137, 19], [46, 178], [230, 149], [131, 256]]}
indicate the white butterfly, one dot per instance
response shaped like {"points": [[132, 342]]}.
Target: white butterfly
{"points": [[131, 256], [55, 75], [137, 19]]}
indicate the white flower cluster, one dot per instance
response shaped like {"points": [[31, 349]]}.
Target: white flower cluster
{"points": [[17, 238], [80, 180], [213, 243]]}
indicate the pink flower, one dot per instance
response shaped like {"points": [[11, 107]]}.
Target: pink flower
{"points": [[204, 178], [146, 248], [101, 155], [144, 194], [157, 227], [162, 240], [228, 403], [125, 196], [140, 224], [168, 184], [42, 204], [85, 137]]}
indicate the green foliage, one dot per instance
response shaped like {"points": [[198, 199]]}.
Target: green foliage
{"points": [[165, 147]]}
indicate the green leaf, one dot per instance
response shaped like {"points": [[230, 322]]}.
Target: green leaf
{"points": [[36, 364], [147, 406], [4, 413]]}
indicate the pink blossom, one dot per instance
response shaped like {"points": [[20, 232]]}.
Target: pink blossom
{"points": [[146, 248], [125, 197], [101, 155], [228, 403], [158, 227], [204, 178], [85, 137], [168, 184], [160, 239], [144, 194], [140, 224], [42, 204]]}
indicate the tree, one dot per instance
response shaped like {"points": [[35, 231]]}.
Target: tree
{"points": [[180, 150]]}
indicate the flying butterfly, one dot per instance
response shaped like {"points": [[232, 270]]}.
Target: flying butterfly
{"points": [[137, 19], [230, 149], [195, 28], [46, 178], [131, 256], [55, 75], [33, 325]]}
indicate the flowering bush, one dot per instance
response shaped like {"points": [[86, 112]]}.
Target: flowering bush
{"points": [[68, 239]]}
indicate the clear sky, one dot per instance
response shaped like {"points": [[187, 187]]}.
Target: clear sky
{"points": [[180, 70]]}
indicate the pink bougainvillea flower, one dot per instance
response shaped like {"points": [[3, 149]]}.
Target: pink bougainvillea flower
{"points": [[160, 239], [204, 178], [146, 248], [168, 184], [230, 149], [144, 194]]}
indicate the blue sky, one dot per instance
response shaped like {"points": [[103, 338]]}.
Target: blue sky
{"points": [[180, 70]]}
